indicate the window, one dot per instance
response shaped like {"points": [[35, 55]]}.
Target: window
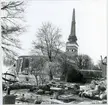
{"points": [[73, 50], [26, 63]]}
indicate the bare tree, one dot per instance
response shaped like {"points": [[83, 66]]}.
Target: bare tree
{"points": [[64, 65], [53, 69], [101, 62], [11, 28], [37, 68], [48, 41], [84, 62]]}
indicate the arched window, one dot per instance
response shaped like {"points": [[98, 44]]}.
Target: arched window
{"points": [[26, 63]]}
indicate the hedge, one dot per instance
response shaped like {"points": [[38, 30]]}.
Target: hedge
{"points": [[91, 74]]}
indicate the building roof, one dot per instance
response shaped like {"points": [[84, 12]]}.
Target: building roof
{"points": [[30, 56], [72, 37], [90, 70]]}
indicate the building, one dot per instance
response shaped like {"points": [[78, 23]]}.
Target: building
{"points": [[71, 45]]}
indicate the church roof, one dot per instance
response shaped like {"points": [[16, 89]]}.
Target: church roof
{"points": [[72, 37]]}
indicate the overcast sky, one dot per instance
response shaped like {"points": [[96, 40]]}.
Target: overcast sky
{"points": [[91, 23]]}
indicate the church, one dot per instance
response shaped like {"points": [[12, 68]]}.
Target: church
{"points": [[24, 63], [71, 45]]}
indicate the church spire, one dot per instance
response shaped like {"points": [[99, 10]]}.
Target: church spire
{"points": [[72, 37], [71, 45]]}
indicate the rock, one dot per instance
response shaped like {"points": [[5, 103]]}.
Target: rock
{"points": [[97, 96], [45, 87], [82, 88], [38, 99], [95, 91], [32, 89], [80, 94], [54, 101], [102, 85], [47, 92], [76, 89], [103, 96], [76, 86], [46, 102], [87, 94], [96, 102], [60, 86], [22, 98], [85, 103], [102, 88], [40, 91], [37, 102], [104, 102], [67, 98], [92, 86]]}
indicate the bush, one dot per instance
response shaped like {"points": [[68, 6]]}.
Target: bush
{"points": [[74, 76]]}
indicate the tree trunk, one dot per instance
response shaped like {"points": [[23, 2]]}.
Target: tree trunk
{"points": [[15, 87], [66, 76], [36, 80], [51, 76]]}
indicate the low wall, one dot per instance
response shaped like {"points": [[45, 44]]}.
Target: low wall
{"points": [[91, 74]]}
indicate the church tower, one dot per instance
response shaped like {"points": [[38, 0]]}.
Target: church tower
{"points": [[71, 45]]}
